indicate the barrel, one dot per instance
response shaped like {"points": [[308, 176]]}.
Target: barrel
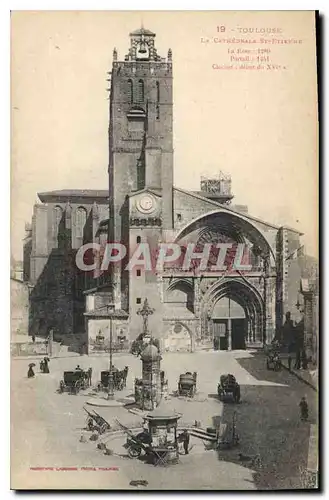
{"points": [[186, 380]]}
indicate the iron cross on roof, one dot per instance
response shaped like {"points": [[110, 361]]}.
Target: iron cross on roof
{"points": [[145, 312]]}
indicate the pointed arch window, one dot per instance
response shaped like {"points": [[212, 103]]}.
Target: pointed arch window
{"points": [[57, 218], [81, 219], [130, 91], [140, 94]]}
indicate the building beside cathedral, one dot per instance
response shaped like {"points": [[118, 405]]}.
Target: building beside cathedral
{"points": [[193, 309]]}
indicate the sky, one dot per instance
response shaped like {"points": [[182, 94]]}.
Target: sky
{"points": [[259, 126]]}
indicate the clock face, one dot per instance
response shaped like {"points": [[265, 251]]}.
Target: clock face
{"points": [[146, 204]]}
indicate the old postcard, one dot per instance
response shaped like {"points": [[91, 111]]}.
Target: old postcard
{"points": [[164, 257]]}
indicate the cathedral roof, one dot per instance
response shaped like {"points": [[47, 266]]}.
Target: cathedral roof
{"points": [[142, 31], [193, 194], [103, 312], [70, 194]]}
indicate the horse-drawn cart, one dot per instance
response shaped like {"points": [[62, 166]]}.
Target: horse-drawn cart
{"points": [[158, 442], [187, 384], [273, 361], [228, 388], [119, 379], [96, 422], [74, 381]]}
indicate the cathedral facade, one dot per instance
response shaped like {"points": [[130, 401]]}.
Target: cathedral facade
{"points": [[194, 308]]}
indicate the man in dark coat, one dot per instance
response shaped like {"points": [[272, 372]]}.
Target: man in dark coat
{"points": [[299, 342], [184, 438], [45, 365], [303, 407], [288, 332], [304, 359]]}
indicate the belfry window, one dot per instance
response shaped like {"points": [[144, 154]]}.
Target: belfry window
{"points": [[140, 94], [130, 91], [81, 218]]}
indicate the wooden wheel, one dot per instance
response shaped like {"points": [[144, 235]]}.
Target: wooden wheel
{"points": [[103, 428], [134, 451]]}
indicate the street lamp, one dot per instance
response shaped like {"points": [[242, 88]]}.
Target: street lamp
{"points": [[110, 394], [113, 314]]}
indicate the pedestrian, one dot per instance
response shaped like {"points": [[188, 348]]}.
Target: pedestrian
{"points": [[90, 373], [289, 362], [303, 406], [184, 438], [30, 372], [45, 365], [288, 331], [186, 441], [297, 359], [299, 339], [304, 360], [33, 338], [145, 436]]}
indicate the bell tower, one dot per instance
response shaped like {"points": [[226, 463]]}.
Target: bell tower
{"points": [[140, 131]]}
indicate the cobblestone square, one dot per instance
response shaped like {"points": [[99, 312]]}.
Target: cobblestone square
{"points": [[47, 426]]}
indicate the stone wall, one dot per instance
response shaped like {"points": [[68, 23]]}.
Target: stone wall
{"points": [[178, 336], [28, 349], [99, 335], [19, 302]]}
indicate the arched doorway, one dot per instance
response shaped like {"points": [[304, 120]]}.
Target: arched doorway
{"points": [[229, 320], [233, 314], [250, 286]]}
